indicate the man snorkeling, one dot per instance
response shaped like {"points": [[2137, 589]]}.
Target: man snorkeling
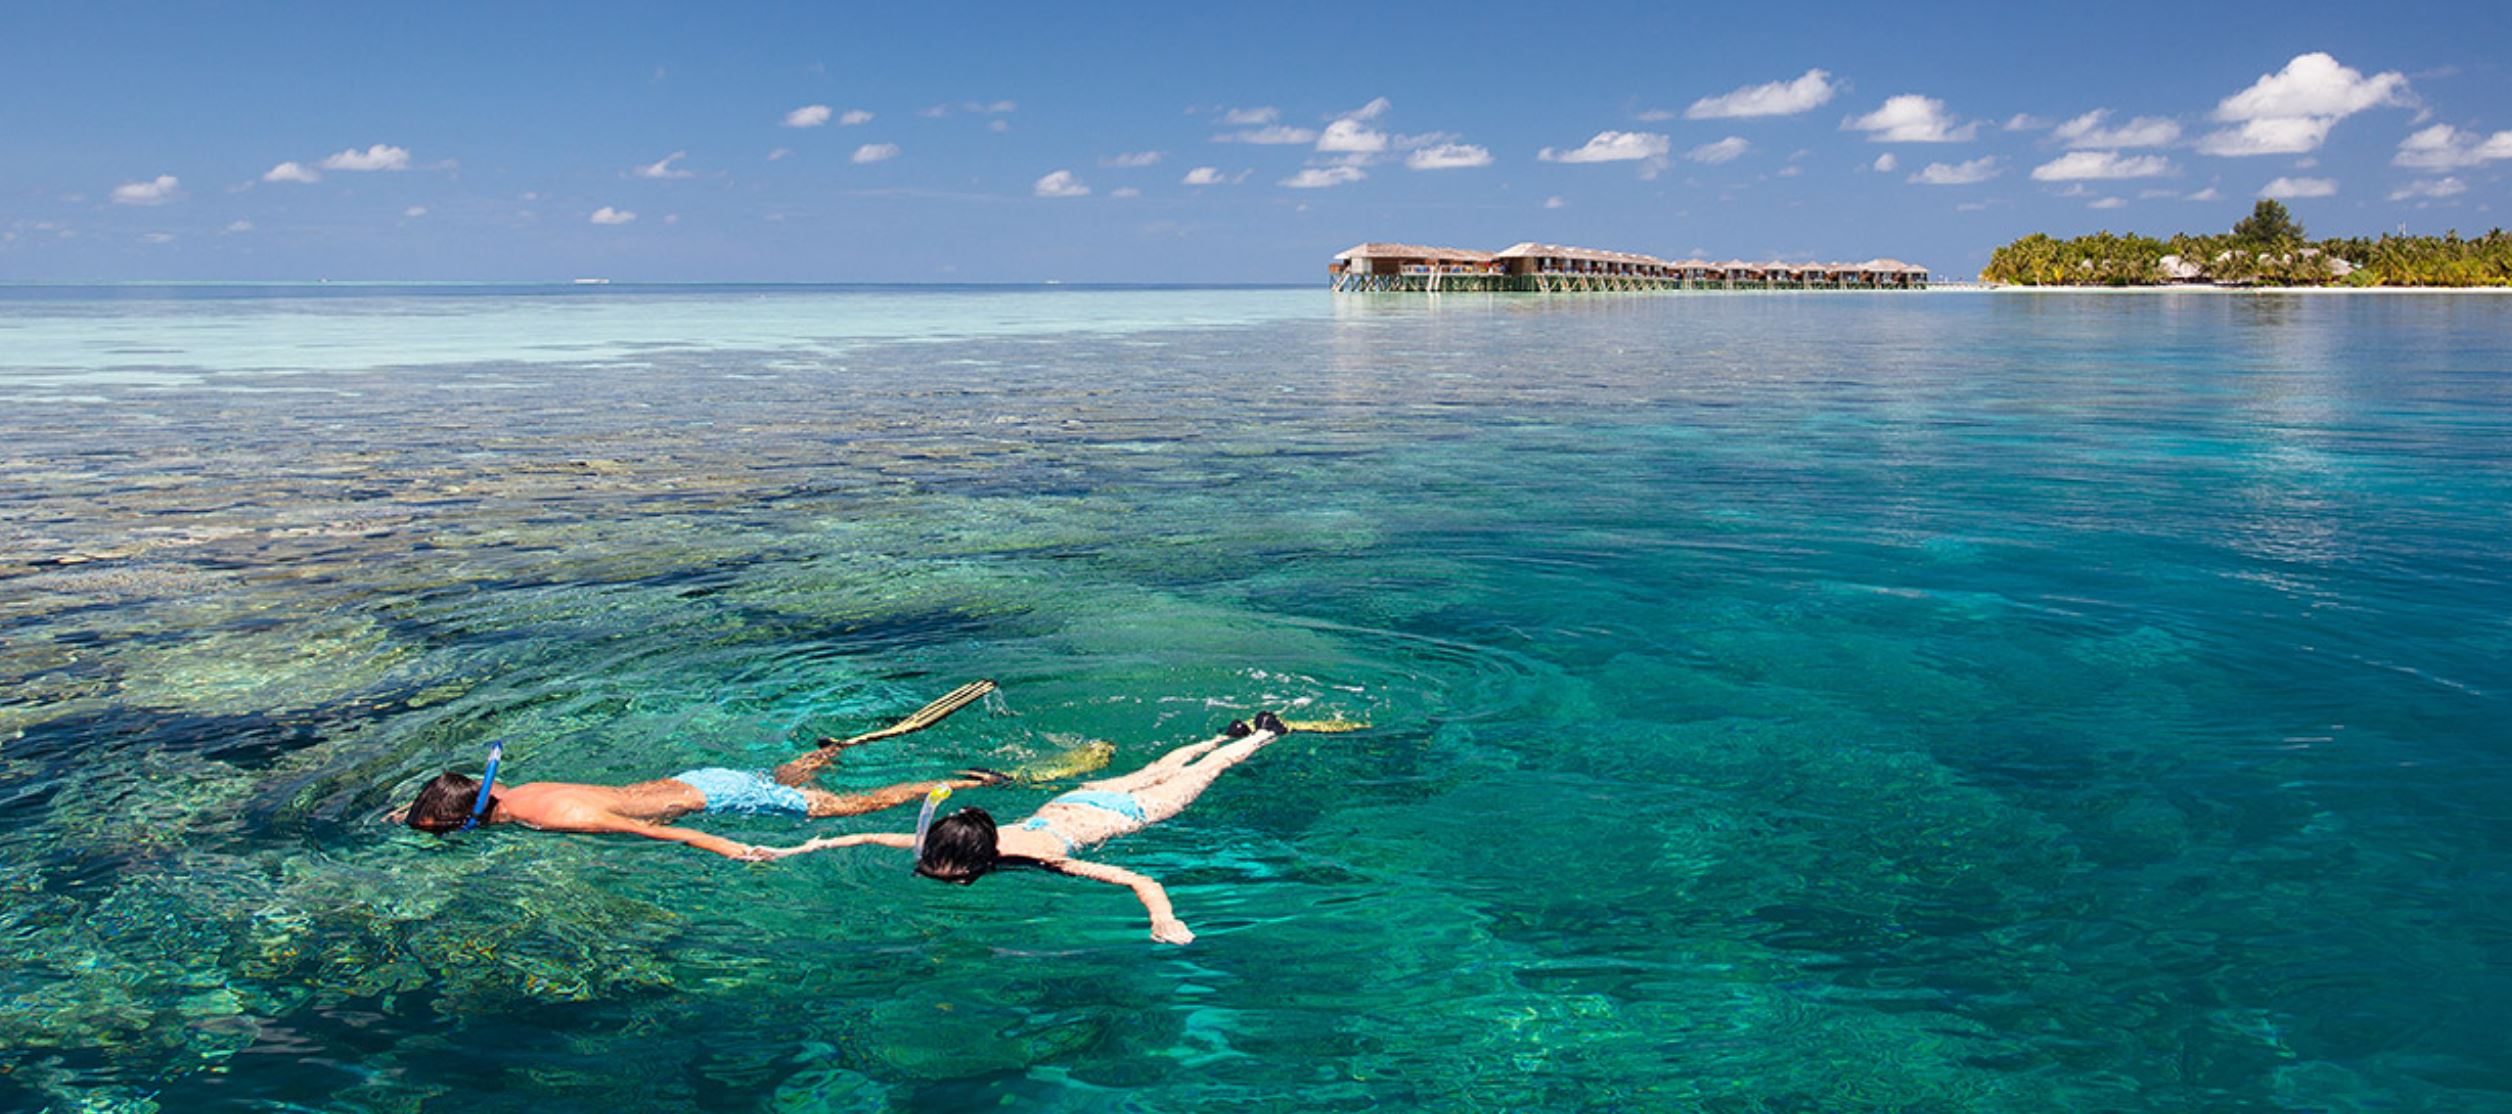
{"points": [[452, 802], [966, 845]]}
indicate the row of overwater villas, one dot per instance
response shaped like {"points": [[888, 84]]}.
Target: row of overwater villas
{"points": [[1531, 266]]}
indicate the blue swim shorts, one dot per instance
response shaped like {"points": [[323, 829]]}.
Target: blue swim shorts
{"points": [[744, 791]]}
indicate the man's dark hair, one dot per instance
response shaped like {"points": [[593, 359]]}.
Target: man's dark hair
{"points": [[445, 803], [960, 847]]}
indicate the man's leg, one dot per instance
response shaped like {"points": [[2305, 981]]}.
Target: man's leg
{"points": [[824, 803], [805, 767]]}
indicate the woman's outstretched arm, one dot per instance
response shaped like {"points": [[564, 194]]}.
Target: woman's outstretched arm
{"points": [[899, 840], [1165, 927]]}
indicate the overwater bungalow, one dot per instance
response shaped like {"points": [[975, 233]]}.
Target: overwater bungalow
{"points": [[1555, 268], [1379, 267]]}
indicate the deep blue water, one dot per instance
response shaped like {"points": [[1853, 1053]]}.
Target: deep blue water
{"points": [[1911, 702]]}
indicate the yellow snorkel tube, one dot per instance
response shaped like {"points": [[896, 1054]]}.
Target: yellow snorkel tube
{"points": [[924, 819]]}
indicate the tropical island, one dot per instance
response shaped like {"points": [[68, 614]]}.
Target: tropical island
{"points": [[2266, 248]]}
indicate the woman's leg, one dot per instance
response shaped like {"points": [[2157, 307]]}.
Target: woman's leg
{"points": [[1161, 768], [1171, 795]]}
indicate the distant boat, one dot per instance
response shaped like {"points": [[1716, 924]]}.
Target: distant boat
{"points": [[593, 282]]}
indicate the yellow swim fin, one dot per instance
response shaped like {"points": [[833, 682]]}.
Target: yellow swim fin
{"points": [[1332, 725], [1068, 763], [925, 717]]}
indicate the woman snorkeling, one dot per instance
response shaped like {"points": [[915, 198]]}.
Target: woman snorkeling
{"points": [[966, 845]]}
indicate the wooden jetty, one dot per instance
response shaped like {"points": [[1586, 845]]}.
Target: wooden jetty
{"points": [[1375, 268]]}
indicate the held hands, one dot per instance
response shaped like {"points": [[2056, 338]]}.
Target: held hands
{"points": [[1170, 930], [771, 854]]}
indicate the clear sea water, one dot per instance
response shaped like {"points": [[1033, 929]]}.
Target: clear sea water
{"points": [[1777, 702]]}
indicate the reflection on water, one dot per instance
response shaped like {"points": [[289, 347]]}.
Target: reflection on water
{"points": [[1778, 702]]}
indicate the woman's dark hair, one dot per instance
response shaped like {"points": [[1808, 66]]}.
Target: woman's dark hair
{"points": [[445, 803], [960, 847]]}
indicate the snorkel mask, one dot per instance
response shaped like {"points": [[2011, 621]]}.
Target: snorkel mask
{"points": [[497, 753], [924, 819]]}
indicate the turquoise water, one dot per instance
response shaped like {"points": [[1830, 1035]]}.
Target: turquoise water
{"points": [[1841, 702]]}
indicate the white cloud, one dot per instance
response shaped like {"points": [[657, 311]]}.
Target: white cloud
{"points": [[2109, 203], [998, 125], [1886, 163], [157, 238], [1655, 115], [2286, 135], [1061, 183], [990, 106], [1321, 177], [1270, 134], [2021, 122], [157, 191], [2315, 85], [779, 153], [1726, 150], [1251, 116], [1910, 118], [936, 112], [1958, 173], [291, 172], [2289, 112], [1125, 191], [2208, 194], [1203, 176], [608, 215], [1778, 98], [377, 157], [2099, 166], [664, 168], [854, 116], [1554, 202], [1448, 156], [2436, 188], [2443, 147], [808, 116], [2144, 131], [1376, 108], [875, 152], [2282, 188], [1133, 159], [237, 226], [415, 212], [1611, 147], [1349, 135], [671, 218]]}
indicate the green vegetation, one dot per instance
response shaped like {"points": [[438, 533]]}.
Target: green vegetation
{"points": [[2266, 248]]}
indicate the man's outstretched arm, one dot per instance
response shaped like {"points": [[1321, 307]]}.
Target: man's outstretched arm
{"points": [[703, 841]]}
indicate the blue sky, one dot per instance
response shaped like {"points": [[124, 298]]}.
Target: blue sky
{"points": [[1186, 143]]}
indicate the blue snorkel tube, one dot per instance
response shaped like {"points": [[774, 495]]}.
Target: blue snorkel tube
{"points": [[497, 753], [924, 820]]}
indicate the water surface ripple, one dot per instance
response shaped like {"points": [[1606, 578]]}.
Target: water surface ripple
{"points": [[1779, 702]]}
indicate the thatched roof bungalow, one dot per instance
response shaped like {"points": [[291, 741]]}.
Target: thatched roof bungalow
{"points": [[1410, 259], [1534, 266], [1554, 259]]}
